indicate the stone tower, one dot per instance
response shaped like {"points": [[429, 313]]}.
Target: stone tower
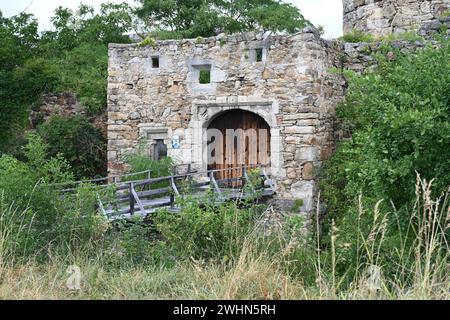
{"points": [[279, 84], [384, 17]]}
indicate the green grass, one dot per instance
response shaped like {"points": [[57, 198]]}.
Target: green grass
{"points": [[356, 36], [446, 14], [410, 36], [264, 267]]}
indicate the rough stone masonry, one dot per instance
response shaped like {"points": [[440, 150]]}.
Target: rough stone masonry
{"points": [[155, 94], [291, 88], [384, 17]]}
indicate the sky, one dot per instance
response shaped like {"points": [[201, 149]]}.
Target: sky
{"points": [[327, 13]]}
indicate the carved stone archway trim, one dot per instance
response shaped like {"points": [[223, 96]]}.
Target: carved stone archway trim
{"points": [[203, 112]]}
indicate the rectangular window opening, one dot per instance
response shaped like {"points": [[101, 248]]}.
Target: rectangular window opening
{"points": [[259, 55], [205, 76], [155, 62]]}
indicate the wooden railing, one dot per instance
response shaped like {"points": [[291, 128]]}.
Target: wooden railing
{"points": [[146, 195]]}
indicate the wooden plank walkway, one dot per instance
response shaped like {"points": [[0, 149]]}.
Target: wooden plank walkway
{"points": [[144, 197]]}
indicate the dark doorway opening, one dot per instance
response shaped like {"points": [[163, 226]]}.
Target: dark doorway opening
{"points": [[159, 150]]}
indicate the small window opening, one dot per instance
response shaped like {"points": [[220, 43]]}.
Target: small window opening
{"points": [[155, 62], [205, 76], [259, 55], [160, 150]]}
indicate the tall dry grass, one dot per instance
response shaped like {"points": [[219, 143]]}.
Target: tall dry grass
{"points": [[424, 276], [258, 271], [13, 232]]}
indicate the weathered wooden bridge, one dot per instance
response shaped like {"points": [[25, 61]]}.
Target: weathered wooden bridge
{"points": [[132, 194]]}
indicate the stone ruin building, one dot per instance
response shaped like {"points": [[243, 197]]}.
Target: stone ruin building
{"points": [[384, 17], [165, 97]]}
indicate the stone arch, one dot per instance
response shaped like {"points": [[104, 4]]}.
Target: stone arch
{"points": [[203, 113], [265, 113]]}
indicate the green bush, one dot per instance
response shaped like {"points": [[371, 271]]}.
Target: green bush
{"points": [[203, 230], [134, 240], [398, 116], [79, 142], [19, 90], [45, 217], [22, 76], [139, 161], [46, 170], [20, 181], [148, 42], [356, 36], [133, 243], [84, 71]]}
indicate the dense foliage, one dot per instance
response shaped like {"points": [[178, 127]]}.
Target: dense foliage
{"points": [[205, 230], [23, 76], [34, 213], [74, 58], [140, 161], [80, 143], [187, 18], [78, 46], [399, 119], [229, 242], [73, 29]]}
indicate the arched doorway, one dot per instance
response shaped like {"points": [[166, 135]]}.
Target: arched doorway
{"points": [[237, 139]]}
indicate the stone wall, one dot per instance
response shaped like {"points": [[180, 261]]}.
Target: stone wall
{"points": [[55, 104], [384, 17], [291, 89], [359, 57], [66, 105]]}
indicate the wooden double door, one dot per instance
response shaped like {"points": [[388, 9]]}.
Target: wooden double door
{"points": [[237, 139]]}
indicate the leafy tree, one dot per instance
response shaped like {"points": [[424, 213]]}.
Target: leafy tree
{"points": [[85, 26], [399, 117], [81, 144], [205, 18], [73, 58], [79, 47], [84, 70], [19, 40], [23, 76], [35, 213]]}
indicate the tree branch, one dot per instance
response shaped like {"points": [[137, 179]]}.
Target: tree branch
{"points": [[23, 11]]}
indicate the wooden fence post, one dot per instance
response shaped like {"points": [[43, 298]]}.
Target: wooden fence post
{"points": [[131, 199], [172, 200], [174, 188], [244, 176]]}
